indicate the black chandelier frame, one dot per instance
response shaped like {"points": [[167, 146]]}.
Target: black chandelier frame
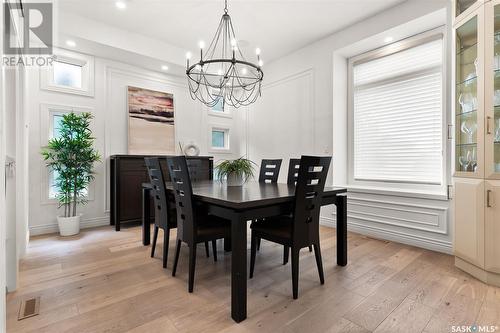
{"points": [[227, 85]]}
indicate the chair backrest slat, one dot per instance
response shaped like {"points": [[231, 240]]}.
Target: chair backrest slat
{"points": [[311, 180], [159, 191], [293, 171], [269, 171], [181, 182]]}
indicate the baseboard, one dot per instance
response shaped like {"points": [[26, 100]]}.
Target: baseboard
{"points": [[393, 235], [53, 228]]}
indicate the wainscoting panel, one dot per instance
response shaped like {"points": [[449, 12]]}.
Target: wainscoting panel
{"points": [[414, 221]]}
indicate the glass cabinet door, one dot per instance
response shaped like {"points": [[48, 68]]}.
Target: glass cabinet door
{"points": [[462, 5], [494, 119], [466, 97]]}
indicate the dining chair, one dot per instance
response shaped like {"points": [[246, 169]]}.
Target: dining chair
{"points": [[194, 224], [165, 218], [165, 213], [293, 173], [301, 229], [269, 173]]}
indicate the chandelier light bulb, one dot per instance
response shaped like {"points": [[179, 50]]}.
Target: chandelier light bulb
{"points": [[261, 63], [233, 42], [219, 72], [257, 51], [164, 67], [244, 71], [198, 67], [188, 55], [201, 44]]}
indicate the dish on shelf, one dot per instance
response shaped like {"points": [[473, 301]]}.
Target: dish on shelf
{"points": [[468, 102]]}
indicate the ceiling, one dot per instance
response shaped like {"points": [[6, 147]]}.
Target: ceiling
{"points": [[276, 26]]}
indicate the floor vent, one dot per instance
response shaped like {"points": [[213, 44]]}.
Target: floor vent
{"points": [[29, 308]]}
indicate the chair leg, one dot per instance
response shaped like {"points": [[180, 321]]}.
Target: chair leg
{"points": [[319, 262], [295, 272], [258, 244], [206, 250], [192, 265], [214, 249], [176, 259], [166, 240], [253, 253], [310, 248], [153, 247], [286, 251]]}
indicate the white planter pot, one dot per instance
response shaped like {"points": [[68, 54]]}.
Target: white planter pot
{"points": [[69, 226], [235, 180]]}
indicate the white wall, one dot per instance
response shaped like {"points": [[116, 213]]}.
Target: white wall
{"points": [[109, 106], [303, 110]]}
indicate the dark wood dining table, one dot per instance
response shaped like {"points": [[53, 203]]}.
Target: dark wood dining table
{"points": [[241, 204]]}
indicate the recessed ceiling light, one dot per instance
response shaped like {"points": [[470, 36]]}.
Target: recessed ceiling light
{"points": [[164, 67], [121, 5], [70, 43], [388, 39]]}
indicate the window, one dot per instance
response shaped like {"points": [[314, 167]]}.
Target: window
{"points": [[67, 75], [52, 116], [219, 109], [396, 113], [70, 72], [219, 106], [219, 139]]}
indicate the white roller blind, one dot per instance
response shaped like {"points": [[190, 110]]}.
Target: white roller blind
{"points": [[397, 116]]}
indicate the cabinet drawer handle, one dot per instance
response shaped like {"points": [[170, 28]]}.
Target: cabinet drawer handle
{"points": [[488, 129], [488, 195]]}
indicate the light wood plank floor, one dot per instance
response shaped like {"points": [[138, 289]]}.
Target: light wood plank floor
{"points": [[105, 281]]}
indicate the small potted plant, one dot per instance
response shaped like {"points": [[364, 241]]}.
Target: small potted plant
{"points": [[71, 157], [236, 172]]}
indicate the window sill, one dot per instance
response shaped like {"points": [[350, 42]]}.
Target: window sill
{"points": [[430, 195]]}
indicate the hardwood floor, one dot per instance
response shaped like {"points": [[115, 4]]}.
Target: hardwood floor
{"points": [[105, 281]]}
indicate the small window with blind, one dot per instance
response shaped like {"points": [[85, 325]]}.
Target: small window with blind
{"points": [[396, 113]]}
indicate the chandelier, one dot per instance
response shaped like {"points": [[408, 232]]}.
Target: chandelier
{"points": [[223, 76]]}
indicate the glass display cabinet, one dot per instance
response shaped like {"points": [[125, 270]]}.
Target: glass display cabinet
{"points": [[476, 180], [467, 109], [461, 6]]}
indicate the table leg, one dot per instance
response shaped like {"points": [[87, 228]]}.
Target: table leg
{"points": [[146, 214], [227, 244], [341, 204], [238, 269]]}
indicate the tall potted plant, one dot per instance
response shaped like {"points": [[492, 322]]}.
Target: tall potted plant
{"points": [[71, 156]]}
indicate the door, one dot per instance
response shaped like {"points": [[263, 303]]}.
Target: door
{"points": [[492, 226], [469, 92], [469, 201]]}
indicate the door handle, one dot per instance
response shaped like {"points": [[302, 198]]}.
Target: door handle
{"points": [[488, 197], [488, 128]]}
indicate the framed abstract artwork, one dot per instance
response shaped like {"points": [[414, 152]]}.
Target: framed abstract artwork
{"points": [[151, 127]]}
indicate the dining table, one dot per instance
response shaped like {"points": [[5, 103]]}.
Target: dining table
{"points": [[241, 204]]}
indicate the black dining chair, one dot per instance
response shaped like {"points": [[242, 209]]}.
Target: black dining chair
{"points": [[164, 207], [165, 217], [194, 224], [301, 229], [269, 173], [293, 173]]}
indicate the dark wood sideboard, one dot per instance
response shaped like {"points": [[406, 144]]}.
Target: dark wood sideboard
{"points": [[128, 173]]}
